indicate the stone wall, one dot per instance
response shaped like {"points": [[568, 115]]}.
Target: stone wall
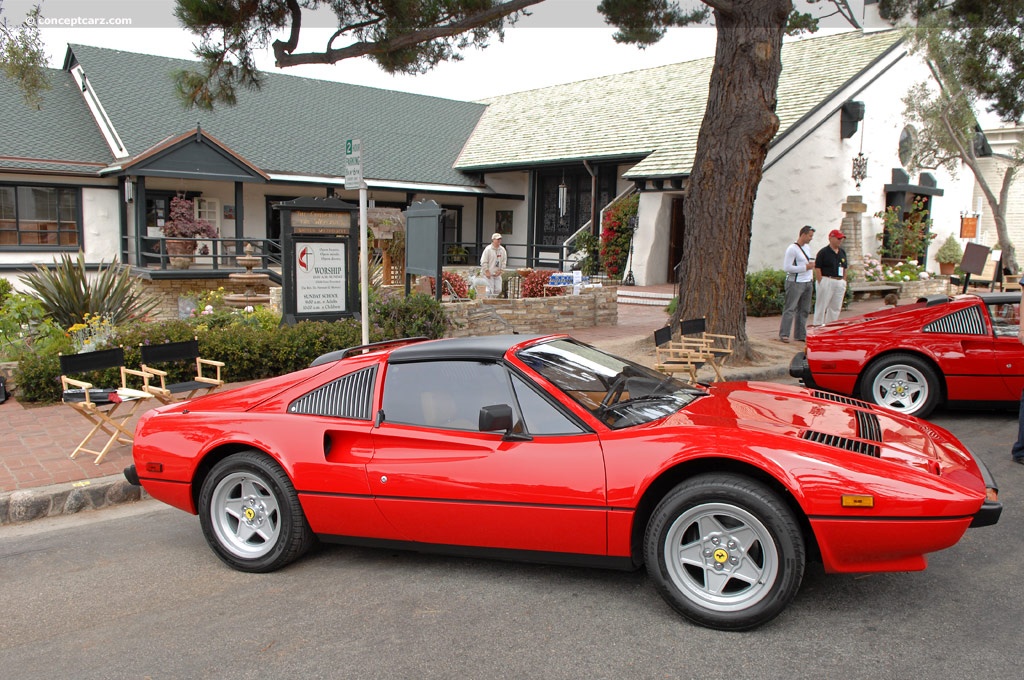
{"points": [[911, 290], [169, 291], [558, 314]]}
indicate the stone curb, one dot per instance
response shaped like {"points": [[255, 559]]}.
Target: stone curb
{"points": [[69, 498]]}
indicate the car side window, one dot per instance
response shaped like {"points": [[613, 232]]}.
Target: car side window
{"points": [[540, 416], [443, 394], [1005, 319]]}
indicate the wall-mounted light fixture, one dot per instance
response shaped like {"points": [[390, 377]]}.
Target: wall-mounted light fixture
{"points": [[129, 191]]}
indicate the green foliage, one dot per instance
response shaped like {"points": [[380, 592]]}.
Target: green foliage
{"points": [[950, 251], [590, 263], [23, 325], [394, 316], [68, 293], [250, 352], [6, 290], [766, 292], [23, 57], [905, 237]]}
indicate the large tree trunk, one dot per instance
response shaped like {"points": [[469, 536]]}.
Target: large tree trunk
{"points": [[738, 125]]}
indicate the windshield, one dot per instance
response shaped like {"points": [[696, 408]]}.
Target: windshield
{"points": [[618, 392]]}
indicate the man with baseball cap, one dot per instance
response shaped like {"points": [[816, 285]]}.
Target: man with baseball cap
{"points": [[830, 265], [492, 264]]}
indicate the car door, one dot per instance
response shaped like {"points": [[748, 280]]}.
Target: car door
{"points": [[1008, 352], [438, 479]]}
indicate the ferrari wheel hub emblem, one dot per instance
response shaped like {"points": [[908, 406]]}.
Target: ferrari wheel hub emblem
{"points": [[899, 389], [253, 512], [721, 556], [250, 514]]}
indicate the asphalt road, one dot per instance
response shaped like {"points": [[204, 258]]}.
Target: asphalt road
{"points": [[134, 592]]}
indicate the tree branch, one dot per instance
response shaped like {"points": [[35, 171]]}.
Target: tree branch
{"points": [[287, 58]]}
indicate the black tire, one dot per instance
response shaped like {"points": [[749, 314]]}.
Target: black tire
{"points": [[901, 382], [250, 514], [725, 552]]}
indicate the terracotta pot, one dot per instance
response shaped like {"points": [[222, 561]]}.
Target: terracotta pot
{"points": [[947, 268], [180, 253]]}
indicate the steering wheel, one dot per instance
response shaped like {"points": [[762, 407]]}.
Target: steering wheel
{"points": [[614, 392]]}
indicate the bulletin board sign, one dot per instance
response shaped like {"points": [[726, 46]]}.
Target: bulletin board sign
{"points": [[318, 259]]}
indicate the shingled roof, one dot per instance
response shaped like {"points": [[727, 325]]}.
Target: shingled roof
{"points": [[61, 137], [292, 125], [655, 113]]}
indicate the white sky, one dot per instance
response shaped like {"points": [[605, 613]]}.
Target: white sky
{"points": [[563, 41]]}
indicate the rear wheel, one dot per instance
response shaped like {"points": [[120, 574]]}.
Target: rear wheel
{"points": [[725, 552], [902, 382], [250, 514]]}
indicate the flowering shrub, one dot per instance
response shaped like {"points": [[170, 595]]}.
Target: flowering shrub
{"points": [[904, 237], [534, 282], [457, 283], [616, 235], [875, 270], [92, 334]]}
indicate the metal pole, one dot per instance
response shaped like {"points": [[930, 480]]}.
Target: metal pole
{"points": [[364, 269]]}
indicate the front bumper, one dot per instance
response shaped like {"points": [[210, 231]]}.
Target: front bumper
{"points": [[990, 510], [801, 370], [131, 475]]}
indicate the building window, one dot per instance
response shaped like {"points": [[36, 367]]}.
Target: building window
{"points": [[45, 216]]}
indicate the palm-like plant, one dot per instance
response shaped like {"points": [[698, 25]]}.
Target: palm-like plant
{"points": [[69, 294]]}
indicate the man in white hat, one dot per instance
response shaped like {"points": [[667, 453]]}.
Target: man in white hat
{"points": [[492, 264]]}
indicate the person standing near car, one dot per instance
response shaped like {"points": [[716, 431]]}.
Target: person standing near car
{"points": [[799, 268], [830, 266], [492, 264]]}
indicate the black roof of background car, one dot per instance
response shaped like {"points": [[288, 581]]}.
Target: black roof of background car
{"points": [[488, 348]]}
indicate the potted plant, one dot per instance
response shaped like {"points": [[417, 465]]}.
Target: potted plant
{"points": [[949, 255], [183, 224]]}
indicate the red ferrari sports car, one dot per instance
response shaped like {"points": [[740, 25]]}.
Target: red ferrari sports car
{"points": [[546, 449], [914, 357]]}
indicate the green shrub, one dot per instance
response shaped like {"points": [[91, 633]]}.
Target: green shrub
{"points": [[68, 294], [766, 292], [6, 289], [394, 315]]}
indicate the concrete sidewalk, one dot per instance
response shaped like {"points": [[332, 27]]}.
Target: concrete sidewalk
{"points": [[37, 479]]}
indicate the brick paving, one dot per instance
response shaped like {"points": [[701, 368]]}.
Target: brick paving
{"points": [[37, 439]]}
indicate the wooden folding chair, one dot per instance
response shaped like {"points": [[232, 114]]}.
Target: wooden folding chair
{"points": [[108, 409], [186, 351], [717, 346], [676, 356]]}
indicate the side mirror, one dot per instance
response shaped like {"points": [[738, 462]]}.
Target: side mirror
{"points": [[495, 418]]}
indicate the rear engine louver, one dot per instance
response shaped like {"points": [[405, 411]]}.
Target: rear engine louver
{"points": [[840, 399], [854, 445]]}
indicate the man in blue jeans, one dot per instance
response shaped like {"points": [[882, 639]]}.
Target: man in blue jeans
{"points": [[1018, 449]]}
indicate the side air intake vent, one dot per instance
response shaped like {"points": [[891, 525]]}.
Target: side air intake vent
{"points": [[966, 321], [853, 445], [348, 397]]}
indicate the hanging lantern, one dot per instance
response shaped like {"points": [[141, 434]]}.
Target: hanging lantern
{"points": [[860, 168]]}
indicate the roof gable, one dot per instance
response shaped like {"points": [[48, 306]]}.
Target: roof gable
{"points": [[654, 114], [196, 155]]}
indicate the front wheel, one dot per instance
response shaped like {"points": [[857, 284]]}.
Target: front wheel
{"points": [[250, 514], [902, 382], [725, 552]]}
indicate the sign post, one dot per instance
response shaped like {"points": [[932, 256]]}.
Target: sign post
{"points": [[354, 178]]}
